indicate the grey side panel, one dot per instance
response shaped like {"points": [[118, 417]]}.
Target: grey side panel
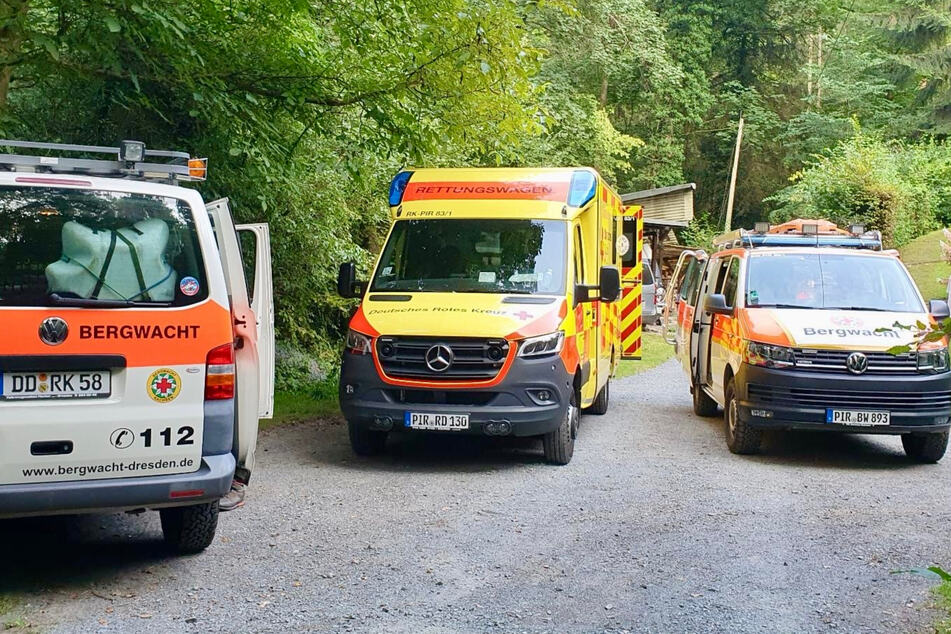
{"points": [[218, 437], [52, 498]]}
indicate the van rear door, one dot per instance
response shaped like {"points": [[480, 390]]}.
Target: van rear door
{"points": [[248, 347], [256, 255], [632, 282]]}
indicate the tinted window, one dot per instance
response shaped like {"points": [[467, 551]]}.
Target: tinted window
{"points": [[648, 275], [97, 245], [474, 256]]}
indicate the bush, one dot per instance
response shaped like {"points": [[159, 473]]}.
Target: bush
{"points": [[902, 190], [301, 372]]}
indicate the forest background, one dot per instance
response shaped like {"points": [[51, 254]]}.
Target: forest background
{"points": [[307, 108]]}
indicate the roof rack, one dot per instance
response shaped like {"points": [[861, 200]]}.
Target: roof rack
{"points": [[129, 162], [800, 233]]}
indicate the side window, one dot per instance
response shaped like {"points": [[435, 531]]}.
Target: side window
{"points": [[579, 257], [690, 275], [729, 285], [721, 268]]}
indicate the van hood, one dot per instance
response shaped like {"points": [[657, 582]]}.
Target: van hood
{"points": [[835, 329], [459, 315]]}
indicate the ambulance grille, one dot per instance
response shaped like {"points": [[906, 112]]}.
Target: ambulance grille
{"points": [[472, 359], [811, 360], [809, 397]]}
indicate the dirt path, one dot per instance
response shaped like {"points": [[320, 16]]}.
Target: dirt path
{"points": [[653, 527]]}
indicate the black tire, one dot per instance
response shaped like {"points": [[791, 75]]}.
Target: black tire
{"points": [[925, 448], [190, 529], [601, 402], [366, 442], [703, 405], [559, 444], [741, 438]]}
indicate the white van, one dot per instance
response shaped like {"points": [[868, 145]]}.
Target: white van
{"points": [[137, 358]]}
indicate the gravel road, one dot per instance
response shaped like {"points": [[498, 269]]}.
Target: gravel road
{"points": [[653, 527]]}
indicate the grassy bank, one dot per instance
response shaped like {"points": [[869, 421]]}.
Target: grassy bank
{"points": [[924, 260], [654, 351]]}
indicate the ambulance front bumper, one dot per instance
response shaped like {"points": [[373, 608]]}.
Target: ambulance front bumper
{"points": [[512, 407], [783, 399], [212, 480]]}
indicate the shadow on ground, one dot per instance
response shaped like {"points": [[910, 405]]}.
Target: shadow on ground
{"points": [[819, 449], [69, 552]]}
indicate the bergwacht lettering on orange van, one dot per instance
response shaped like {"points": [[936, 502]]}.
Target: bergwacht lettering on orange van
{"points": [[143, 331]]}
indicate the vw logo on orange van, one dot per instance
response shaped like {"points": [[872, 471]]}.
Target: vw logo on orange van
{"points": [[857, 363], [53, 331], [439, 358]]}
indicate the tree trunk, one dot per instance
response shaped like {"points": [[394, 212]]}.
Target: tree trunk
{"points": [[12, 25], [603, 97]]}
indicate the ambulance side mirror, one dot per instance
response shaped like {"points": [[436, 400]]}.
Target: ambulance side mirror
{"points": [[939, 309], [610, 284], [716, 304], [347, 284]]}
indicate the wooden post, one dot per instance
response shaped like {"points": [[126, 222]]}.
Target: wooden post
{"points": [[736, 163]]}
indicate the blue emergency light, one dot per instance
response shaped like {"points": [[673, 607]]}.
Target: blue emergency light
{"points": [[398, 186], [584, 186]]}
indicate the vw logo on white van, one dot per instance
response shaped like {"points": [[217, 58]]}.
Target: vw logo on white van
{"points": [[857, 363], [53, 331], [439, 357]]}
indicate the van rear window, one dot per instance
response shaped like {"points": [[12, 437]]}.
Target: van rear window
{"points": [[97, 246]]}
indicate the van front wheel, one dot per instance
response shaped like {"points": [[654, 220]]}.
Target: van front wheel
{"points": [[926, 448], [190, 529], [559, 444], [741, 438]]}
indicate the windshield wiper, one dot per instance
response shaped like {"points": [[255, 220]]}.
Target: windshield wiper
{"points": [[879, 310], [81, 302], [780, 306]]}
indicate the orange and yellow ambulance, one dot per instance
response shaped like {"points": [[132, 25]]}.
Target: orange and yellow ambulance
{"points": [[790, 327], [494, 308], [136, 357]]}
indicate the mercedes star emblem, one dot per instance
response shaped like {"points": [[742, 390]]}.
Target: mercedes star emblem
{"points": [[53, 331], [857, 363], [439, 358]]}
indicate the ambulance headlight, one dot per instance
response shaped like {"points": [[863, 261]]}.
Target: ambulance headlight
{"points": [[934, 361], [358, 343], [769, 356], [543, 345]]}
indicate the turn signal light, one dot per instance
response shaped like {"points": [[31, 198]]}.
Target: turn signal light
{"points": [[219, 373]]}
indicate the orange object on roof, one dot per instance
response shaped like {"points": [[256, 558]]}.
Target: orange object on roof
{"points": [[795, 226]]}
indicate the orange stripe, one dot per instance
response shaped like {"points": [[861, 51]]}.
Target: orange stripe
{"points": [[120, 331]]}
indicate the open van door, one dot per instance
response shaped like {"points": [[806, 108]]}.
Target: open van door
{"points": [[256, 242], [248, 346], [632, 266], [688, 265]]}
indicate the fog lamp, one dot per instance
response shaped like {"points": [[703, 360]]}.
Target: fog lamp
{"points": [[131, 151]]}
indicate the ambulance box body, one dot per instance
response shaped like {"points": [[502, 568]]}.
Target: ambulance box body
{"points": [[495, 307]]}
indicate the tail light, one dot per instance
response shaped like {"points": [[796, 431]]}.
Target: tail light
{"points": [[219, 373]]}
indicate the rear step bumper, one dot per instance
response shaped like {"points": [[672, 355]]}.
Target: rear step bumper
{"points": [[120, 494]]}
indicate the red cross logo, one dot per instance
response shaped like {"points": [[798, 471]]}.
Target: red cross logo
{"points": [[523, 315], [164, 386]]}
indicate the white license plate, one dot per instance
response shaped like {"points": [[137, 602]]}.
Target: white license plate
{"points": [[858, 418], [39, 385], [437, 422]]}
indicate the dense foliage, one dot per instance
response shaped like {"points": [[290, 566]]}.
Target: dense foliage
{"points": [[306, 109]]}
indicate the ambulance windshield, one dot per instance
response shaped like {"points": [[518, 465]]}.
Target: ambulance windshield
{"points": [[81, 247], [830, 281], [474, 256]]}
